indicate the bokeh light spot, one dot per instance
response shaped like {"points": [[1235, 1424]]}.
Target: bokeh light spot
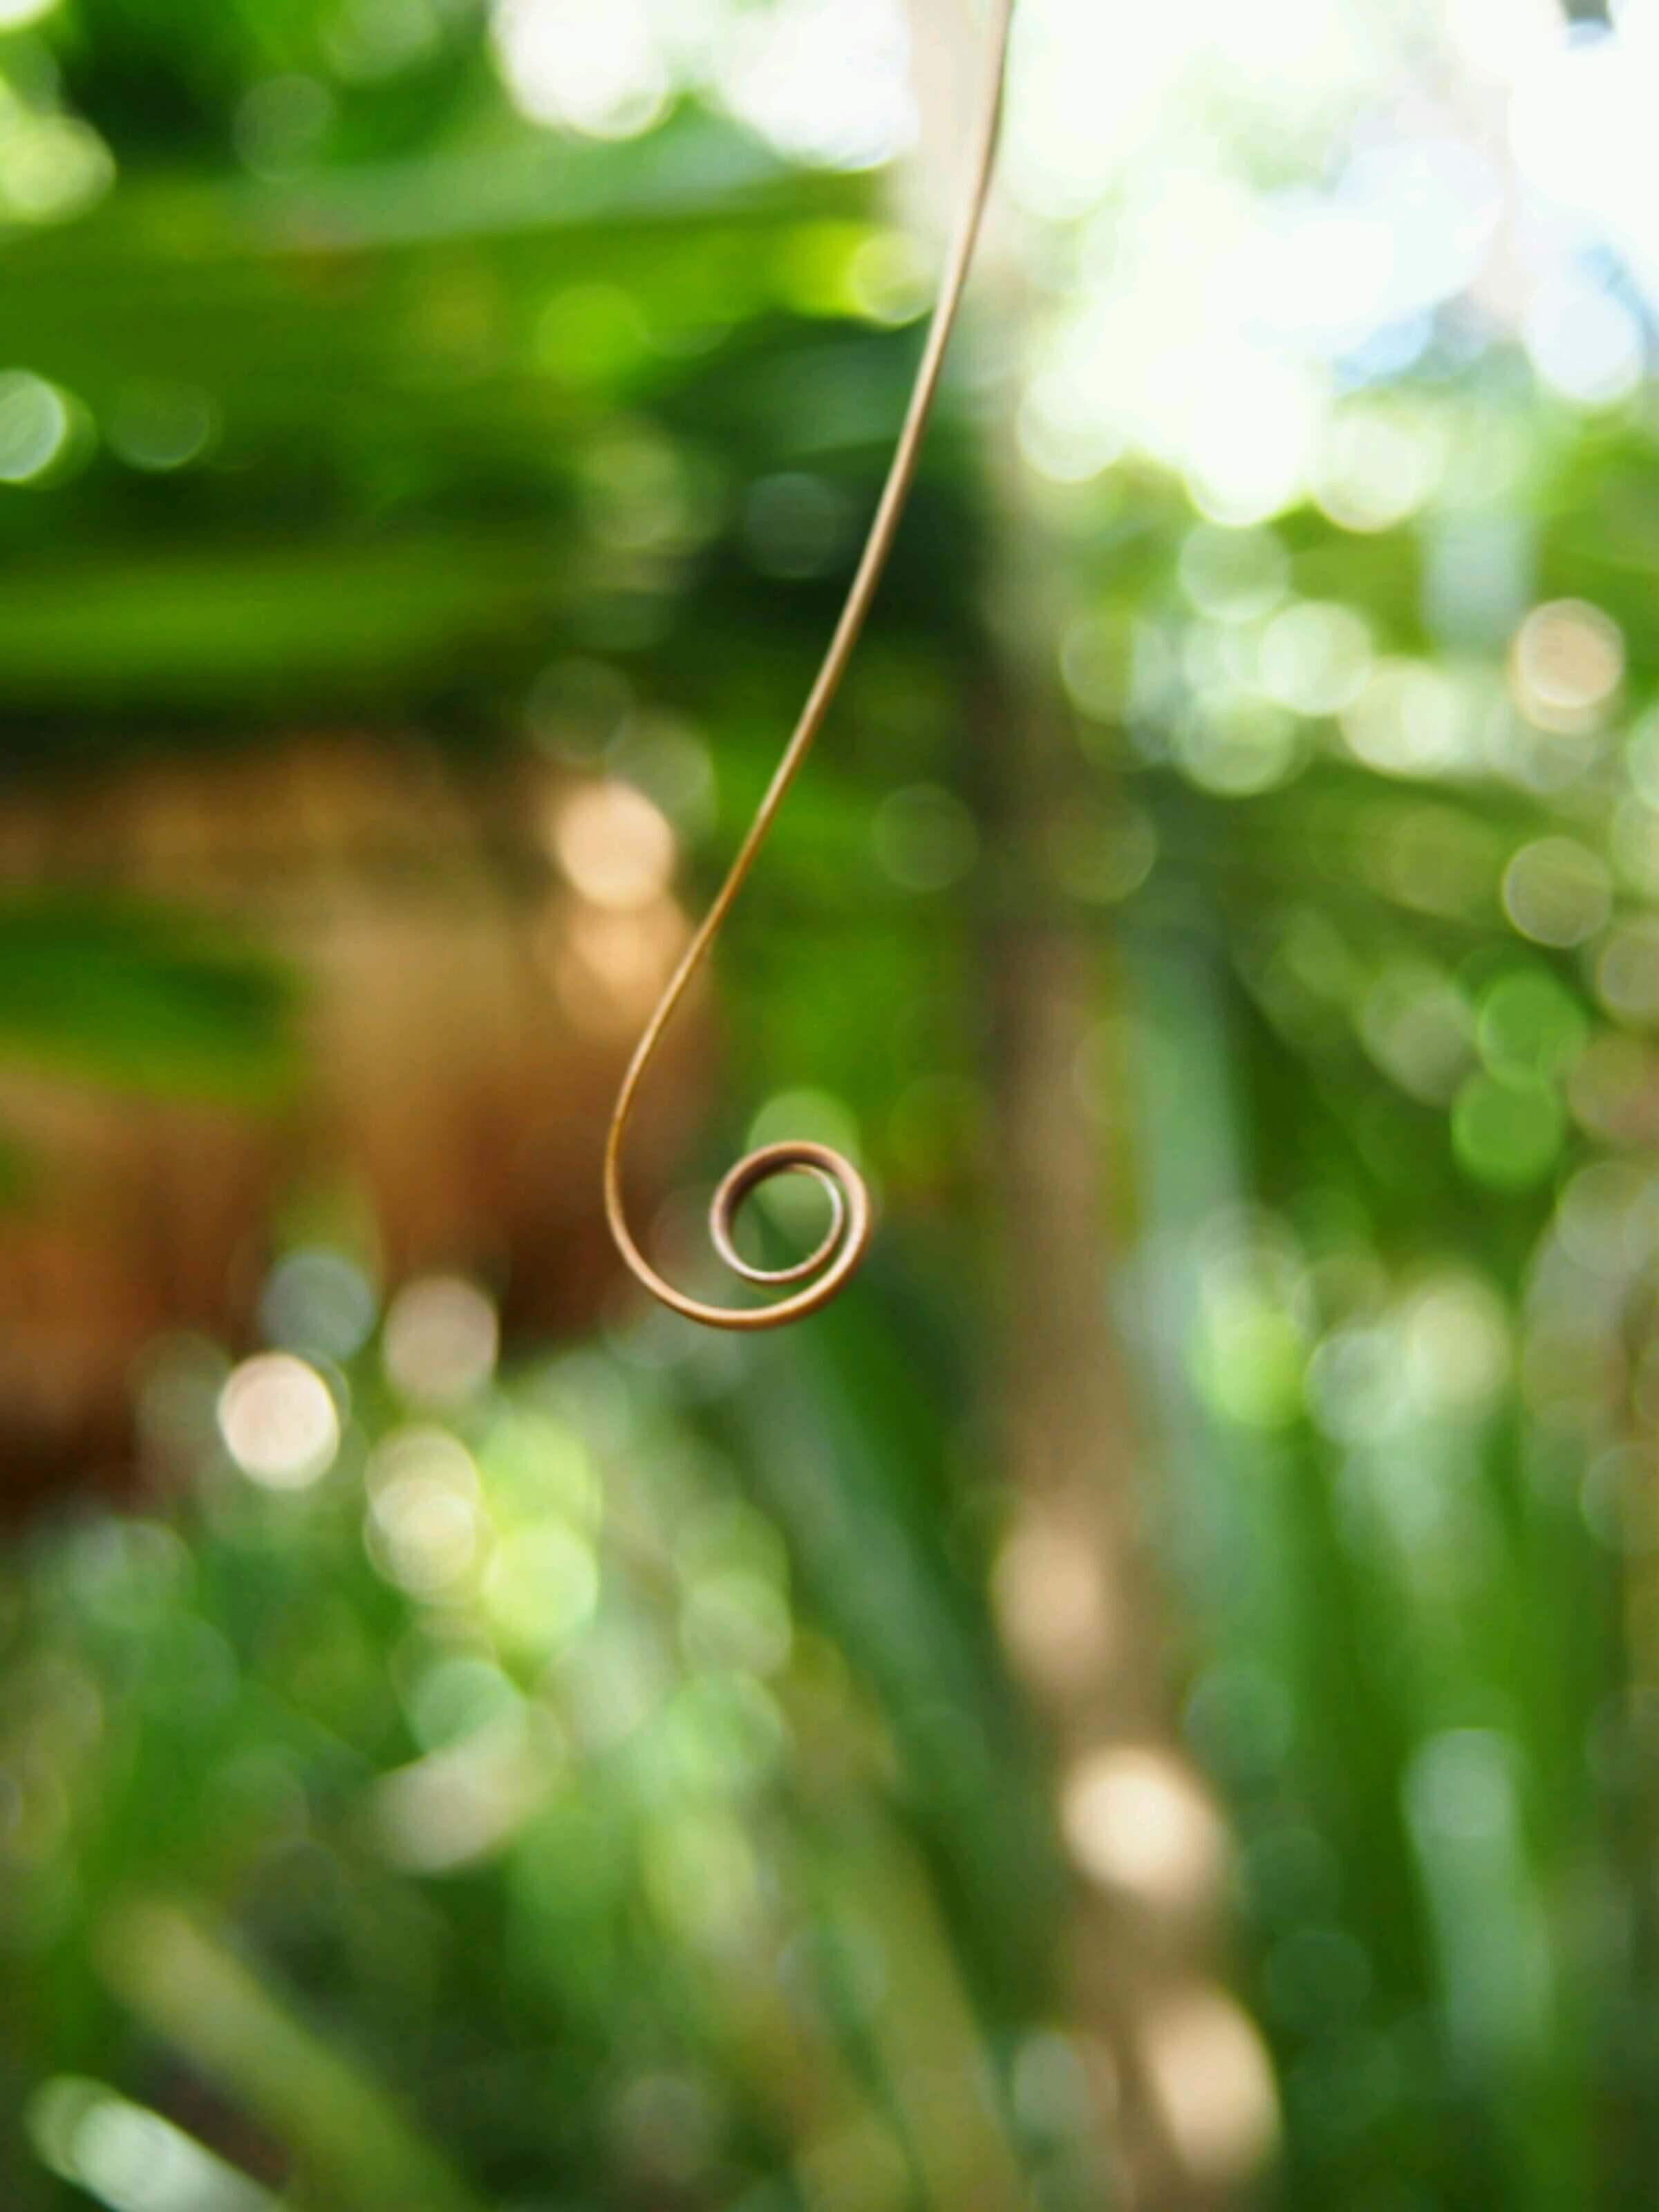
{"points": [[34, 425], [52, 167], [441, 1340], [1585, 344], [542, 1587], [1136, 1820], [319, 1304], [824, 80], [1213, 2082], [425, 1527], [1051, 1604], [1374, 469], [1627, 972], [1568, 661], [1557, 892], [158, 428], [1530, 1027], [615, 848], [1233, 575], [1405, 720], [1314, 658], [279, 1422], [598, 71], [1507, 1134]]}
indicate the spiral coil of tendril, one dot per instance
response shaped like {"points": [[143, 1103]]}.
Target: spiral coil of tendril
{"points": [[825, 1271]]}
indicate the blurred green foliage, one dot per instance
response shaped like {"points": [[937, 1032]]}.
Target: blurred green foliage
{"points": [[606, 1789], [578, 1854]]}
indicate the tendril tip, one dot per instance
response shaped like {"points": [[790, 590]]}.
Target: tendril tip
{"points": [[827, 1270]]}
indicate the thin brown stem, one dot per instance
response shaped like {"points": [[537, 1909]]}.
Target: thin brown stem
{"points": [[839, 1255]]}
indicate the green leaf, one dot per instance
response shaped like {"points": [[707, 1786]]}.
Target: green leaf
{"points": [[141, 998]]}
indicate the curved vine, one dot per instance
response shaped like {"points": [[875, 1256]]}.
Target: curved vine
{"points": [[824, 1272]]}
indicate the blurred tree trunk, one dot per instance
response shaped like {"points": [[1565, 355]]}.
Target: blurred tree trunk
{"points": [[1080, 1601], [1078, 1591]]}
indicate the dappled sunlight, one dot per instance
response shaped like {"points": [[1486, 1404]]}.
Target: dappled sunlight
{"points": [[1151, 1699]]}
